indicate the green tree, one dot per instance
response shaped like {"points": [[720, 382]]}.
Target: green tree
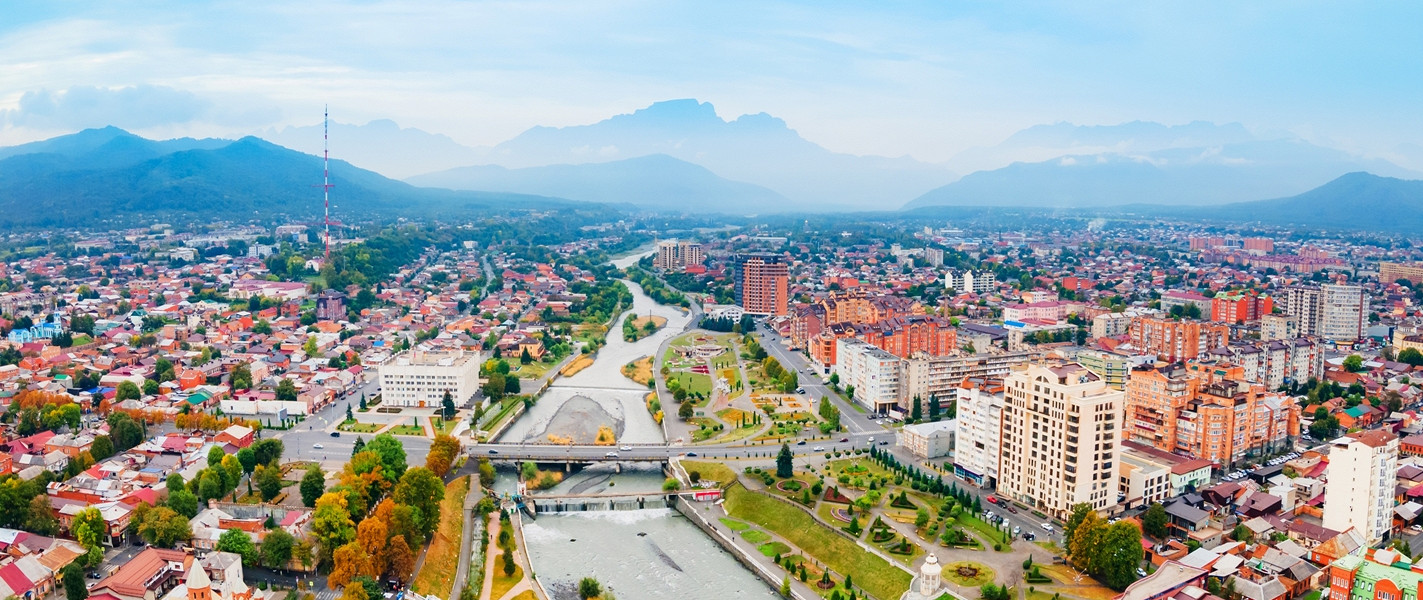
{"points": [[1354, 363], [421, 490], [1085, 545], [269, 481], [41, 516], [589, 588], [286, 390], [1154, 521], [447, 405], [102, 448], [183, 502], [268, 451], [391, 453], [238, 542], [215, 456], [313, 485], [1120, 555], [331, 524], [310, 346], [784, 467], [276, 550], [1411, 356], [241, 377], [1079, 512], [74, 586], [164, 528], [127, 390], [89, 530], [248, 459]]}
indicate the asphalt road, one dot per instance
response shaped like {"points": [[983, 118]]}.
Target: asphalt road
{"points": [[850, 416], [300, 443]]}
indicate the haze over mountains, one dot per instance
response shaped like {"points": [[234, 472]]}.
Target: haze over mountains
{"points": [[110, 174]]}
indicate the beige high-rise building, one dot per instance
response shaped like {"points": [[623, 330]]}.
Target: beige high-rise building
{"points": [[1358, 491], [1333, 312], [673, 255], [1061, 439]]}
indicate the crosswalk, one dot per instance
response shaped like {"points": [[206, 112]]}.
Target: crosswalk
{"points": [[327, 594]]}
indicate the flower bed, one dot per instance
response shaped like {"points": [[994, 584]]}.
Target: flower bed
{"points": [[840, 514], [834, 495]]}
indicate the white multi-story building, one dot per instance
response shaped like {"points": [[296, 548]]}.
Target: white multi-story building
{"points": [[963, 282], [1111, 325], [1333, 312], [928, 440], [873, 372], [1358, 492], [1061, 439], [980, 421], [420, 378], [1278, 327]]}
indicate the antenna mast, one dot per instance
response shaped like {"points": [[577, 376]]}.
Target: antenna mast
{"points": [[326, 174]]}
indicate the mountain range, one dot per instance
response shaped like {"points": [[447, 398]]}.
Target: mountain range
{"points": [[111, 175], [655, 181]]}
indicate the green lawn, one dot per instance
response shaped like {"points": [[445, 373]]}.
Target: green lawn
{"points": [[990, 533], [694, 383], [774, 548], [355, 427], [875, 574], [407, 430], [717, 472], [755, 536], [733, 524]]}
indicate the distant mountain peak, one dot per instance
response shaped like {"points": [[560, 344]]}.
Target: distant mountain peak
{"points": [[680, 109]]}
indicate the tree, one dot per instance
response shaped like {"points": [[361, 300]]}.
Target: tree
{"points": [[102, 448], [267, 451], [74, 586], [391, 453], [1120, 555], [1154, 521], [1354, 363], [486, 472], [399, 559], [127, 390], [241, 377], [313, 485], [786, 585], [40, 516], [443, 450], [89, 529], [238, 542], [331, 524], [371, 536], [1241, 533], [276, 550], [494, 386], [589, 588], [685, 410], [248, 459], [183, 502], [1079, 512], [784, 467], [447, 405], [1085, 546], [286, 391], [916, 412], [1411, 356], [346, 562], [164, 528], [215, 456], [269, 481], [420, 489]]}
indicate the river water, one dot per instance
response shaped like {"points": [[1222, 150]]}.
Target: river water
{"points": [[649, 554]]}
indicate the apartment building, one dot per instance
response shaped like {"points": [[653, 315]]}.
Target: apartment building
{"points": [[1143, 479], [872, 372], [1111, 325], [1112, 367], [1240, 307], [420, 378], [1061, 439], [1271, 364], [1173, 340], [1337, 313], [675, 255], [761, 283], [1390, 272], [1279, 327], [1207, 412], [1359, 491], [980, 422], [907, 335], [940, 376], [970, 282]]}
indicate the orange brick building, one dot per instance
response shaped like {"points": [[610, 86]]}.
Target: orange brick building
{"points": [[911, 334], [761, 284], [1240, 307], [1173, 340], [1207, 413]]}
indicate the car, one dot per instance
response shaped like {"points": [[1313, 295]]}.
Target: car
{"points": [[94, 575], [493, 451], [1017, 530], [819, 448], [692, 454], [800, 443], [992, 500], [1009, 508], [335, 434], [624, 448], [317, 446], [800, 390], [1029, 536], [884, 442], [1140, 572], [611, 455], [844, 439], [872, 439], [1047, 527]]}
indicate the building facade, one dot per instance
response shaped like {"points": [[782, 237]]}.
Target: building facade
{"points": [[1240, 307], [1060, 442], [980, 423], [1358, 491], [928, 440], [420, 378], [761, 284], [1207, 412], [1390, 272], [676, 255], [1337, 313], [872, 372], [1174, 340]]}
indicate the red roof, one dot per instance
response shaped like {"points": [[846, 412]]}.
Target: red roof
{"points": [[15, 578]]}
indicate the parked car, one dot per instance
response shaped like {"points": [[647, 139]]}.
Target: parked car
{"points": [[819, 448], [844, 439], [493, 451], [1009, 508], [800, 443], [992, 500]]}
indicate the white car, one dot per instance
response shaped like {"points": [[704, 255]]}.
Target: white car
{"points": [[611, 455], [624, 448], [818, 449], [317, 446], [1047, 527]]}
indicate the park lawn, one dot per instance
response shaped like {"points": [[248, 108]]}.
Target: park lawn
{"points": [[589, 332], [437, 575], [712, 471], [444, 426], [502, 584], [990, 534], [774, 549], [951, 573], [872, 468], [875, 574], [694, 383], [706, 428], [407, 430], [736, 434], [733, 524], [533, 370], [755, 536], [355, 427]]}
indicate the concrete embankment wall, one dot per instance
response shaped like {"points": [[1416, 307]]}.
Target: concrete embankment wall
{"points": [[772, 577]]}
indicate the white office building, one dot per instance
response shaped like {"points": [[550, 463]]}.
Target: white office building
{"points": [[420, 378], [980, 419]]}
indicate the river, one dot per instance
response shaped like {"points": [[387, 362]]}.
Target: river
{"points": [[637, 554]]}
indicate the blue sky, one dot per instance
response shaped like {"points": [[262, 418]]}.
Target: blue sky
{"points": [[928, 79]]}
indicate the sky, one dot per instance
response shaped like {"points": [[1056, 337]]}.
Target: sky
{"points": [[925, 79]]}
